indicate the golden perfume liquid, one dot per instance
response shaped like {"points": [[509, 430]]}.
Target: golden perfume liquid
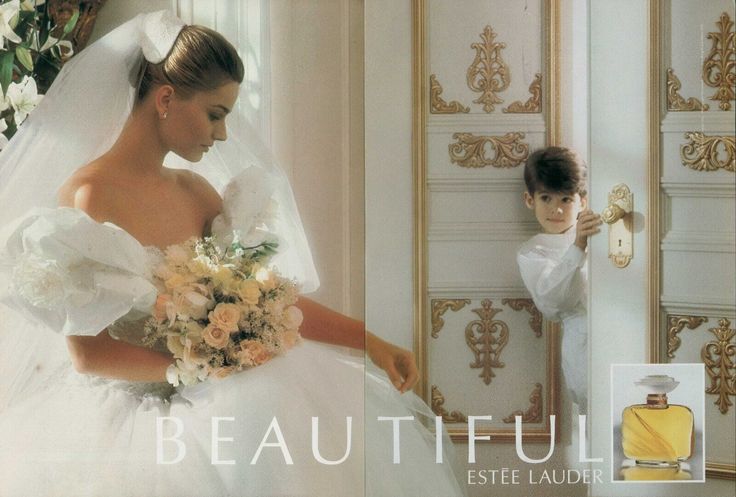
{"points": [[657, 433], [643, 473]]}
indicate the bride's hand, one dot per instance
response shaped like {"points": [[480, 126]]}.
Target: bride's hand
{"points": [[398, 363]]}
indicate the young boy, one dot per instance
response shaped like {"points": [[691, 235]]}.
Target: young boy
{"points": [[552, 263]]}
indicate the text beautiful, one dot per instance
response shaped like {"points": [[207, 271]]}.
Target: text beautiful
{"points": [[175, 456]]}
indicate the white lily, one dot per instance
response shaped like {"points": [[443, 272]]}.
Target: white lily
{"points": [[31, 4], [7, 12], [50, 42], [4, 102], [3, 139], [23, 97]]}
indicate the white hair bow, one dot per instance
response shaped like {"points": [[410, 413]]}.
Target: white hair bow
{"points": [[158, 33]]}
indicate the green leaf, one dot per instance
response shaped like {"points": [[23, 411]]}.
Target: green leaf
{"points": [[71, 23], [6, 70], [24, 57]]}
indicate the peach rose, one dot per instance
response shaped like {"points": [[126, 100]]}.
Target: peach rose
{"points": [[252, 353], [223, 372], [225, 317], [222, 276], [215, 337], [162, 309], [249, 292]]}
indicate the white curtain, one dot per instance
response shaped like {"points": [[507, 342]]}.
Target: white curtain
{"points": [[246, 24]]}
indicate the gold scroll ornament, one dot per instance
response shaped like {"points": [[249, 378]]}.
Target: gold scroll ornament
{"points": [[675, 324], [535, 322], [675, 101], [719, 66], [534, 104], [470, 150], [718, 357], [533, 414], [488, 74], [438, 407], [439, 307], [438, 104], [708, 153], [486, 338]]}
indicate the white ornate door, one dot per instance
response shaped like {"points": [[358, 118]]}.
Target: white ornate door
{"points": [[662, 122]]}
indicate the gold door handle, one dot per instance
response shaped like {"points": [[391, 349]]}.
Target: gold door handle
{"points": [[619, 216], [612, 213]]}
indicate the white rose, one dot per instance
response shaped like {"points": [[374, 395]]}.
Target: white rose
{"points": [[194, 331], [188, 374], [192, 356], [176, 254], [172, 375], [266, 279], [176, 280], [200, 266], [289, 338], [175, 345], [293, 318], [43, 283], [163, 272], [192, 301]]}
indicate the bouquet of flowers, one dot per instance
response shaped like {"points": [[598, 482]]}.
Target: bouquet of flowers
{"points": [[220, 309]]}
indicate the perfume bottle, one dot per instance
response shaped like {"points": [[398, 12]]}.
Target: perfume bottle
{"points": [[657, 433]]}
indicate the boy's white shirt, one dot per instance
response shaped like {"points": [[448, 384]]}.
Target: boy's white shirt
{"points": [[555, 274], [554, 271]]}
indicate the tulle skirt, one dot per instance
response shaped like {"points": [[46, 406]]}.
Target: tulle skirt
{"points": [[280, 429]]}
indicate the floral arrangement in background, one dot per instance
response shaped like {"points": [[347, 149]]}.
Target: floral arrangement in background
{"points": [[220, 309], [32, 52]]}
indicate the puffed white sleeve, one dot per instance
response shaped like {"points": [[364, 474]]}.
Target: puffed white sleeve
{"points": [[74, 275], [553, 279]]}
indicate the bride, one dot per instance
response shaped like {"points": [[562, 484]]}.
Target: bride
{"points": [[101, 420]]}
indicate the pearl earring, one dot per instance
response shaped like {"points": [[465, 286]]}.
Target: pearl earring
{"points": [[163, 116]]}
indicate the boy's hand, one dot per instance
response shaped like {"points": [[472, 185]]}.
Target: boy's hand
{"points": [[588, 224]]}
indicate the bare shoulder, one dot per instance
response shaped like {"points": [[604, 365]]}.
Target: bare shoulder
{"points": [[202, 190], [88, 189]]}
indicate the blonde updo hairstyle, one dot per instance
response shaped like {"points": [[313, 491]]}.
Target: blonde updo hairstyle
{"points": [[200, 60]]}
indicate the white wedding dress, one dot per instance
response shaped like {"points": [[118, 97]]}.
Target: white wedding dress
{"points": [[67, 434]]}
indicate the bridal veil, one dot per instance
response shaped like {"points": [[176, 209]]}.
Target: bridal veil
{"points": [[78, 120]]}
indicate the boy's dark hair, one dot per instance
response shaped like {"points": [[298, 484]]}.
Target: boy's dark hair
{"points": [[556, 169]]}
